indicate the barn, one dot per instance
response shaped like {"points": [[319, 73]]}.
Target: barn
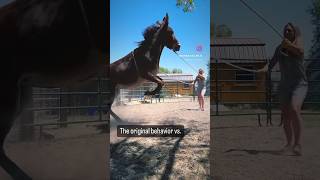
{"points": [[177, 84], [230, 84]]}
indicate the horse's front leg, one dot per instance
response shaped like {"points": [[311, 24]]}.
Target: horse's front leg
{"points": [[155, 79]]}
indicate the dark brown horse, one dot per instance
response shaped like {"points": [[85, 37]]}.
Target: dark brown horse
{"points": [[56, 43], [142, 64]]}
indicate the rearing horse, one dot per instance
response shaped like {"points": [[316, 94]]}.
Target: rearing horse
{"points": [[142, 64]]}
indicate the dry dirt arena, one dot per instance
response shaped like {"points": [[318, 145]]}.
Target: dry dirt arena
{"points": [[242, 150], [162, 157], [75, 153]]}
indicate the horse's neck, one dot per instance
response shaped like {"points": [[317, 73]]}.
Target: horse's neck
{"points": [[153, 52]]}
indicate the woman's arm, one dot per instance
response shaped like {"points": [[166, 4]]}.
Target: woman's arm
{"points": [[272, 62], [195, 80], [275, 58]]}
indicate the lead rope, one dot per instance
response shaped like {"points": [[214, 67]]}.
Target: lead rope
{"points": [[186, 62], [194, 87], [265, 21], [86, 22], [262, 18], [239, 67]]}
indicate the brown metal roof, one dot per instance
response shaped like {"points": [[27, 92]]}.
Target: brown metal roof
{"points": [[238, 50]]}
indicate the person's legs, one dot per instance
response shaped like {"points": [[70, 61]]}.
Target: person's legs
{"points": [[285, 103], [296, 104], [199, 100], [296, 126], [203, 102], [287, 126], [202, 98]]}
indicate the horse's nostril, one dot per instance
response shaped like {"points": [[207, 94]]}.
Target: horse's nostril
{"points": [[177, 47]]}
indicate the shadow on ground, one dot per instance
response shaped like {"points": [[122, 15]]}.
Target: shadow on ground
{"points": [[256, 152], [132, 160]]}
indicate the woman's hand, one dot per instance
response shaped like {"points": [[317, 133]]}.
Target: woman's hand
{"points": [[264, 69], [286, 43], [200, 77], [292, 48]]}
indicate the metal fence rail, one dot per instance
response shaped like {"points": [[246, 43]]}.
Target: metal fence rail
{"points": [[166, 94], [50, 100]]}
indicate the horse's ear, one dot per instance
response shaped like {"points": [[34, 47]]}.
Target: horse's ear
{"points": [[166, 19], [164, 24]]}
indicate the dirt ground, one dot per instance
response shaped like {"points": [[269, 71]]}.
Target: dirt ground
{"points": [[76, 152], [239, 148], [242, 150], [162, 157]]}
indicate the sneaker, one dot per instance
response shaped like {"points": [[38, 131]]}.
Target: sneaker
{"points": [[297, 150], [287, 150]]}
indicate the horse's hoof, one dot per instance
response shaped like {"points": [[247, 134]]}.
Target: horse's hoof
{"points": [[153, 93], [148, 93]]}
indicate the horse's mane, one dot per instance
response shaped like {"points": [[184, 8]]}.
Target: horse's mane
{"points": [[148, 33]]}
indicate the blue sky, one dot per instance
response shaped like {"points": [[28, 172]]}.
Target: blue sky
{"points": [[4, 2], [130, 18], [244, 23]]}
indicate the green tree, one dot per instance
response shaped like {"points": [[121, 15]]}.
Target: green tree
{"points": [[176, 71], [186, 5], [315, 13], [164, 70], [222, 30], [314, 51]]}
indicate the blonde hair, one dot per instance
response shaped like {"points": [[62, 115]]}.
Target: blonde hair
{"points": [[298, 40]]}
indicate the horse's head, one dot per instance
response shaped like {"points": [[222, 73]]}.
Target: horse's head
{"points": [[162, 33], [166, 32]]}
